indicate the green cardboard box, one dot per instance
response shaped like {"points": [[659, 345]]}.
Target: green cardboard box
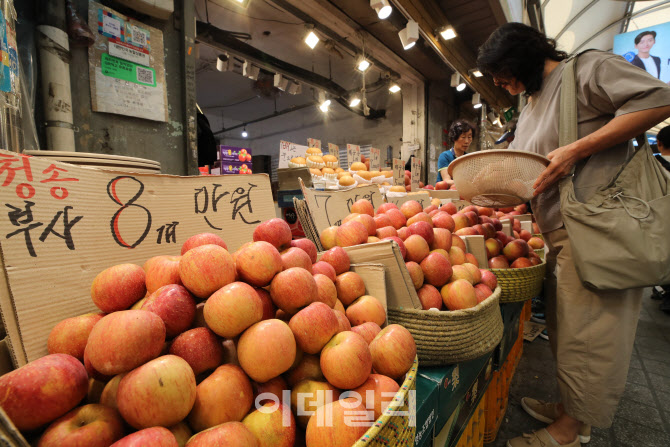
{"points": [[426, 410]]}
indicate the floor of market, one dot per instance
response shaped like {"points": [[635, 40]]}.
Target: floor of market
{"points": [[643, 417]]}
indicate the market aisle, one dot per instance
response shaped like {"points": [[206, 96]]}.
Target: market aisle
{"points": [[643, 418]]}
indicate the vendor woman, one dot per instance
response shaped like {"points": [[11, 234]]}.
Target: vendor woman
{"points": [[461, 134]]}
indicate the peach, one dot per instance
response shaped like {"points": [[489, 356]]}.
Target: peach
{"points": [[118, 287]]}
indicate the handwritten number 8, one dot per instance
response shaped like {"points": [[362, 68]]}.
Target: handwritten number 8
{"points": [[114, 223]]}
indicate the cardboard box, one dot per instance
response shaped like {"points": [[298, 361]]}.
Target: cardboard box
{"points": [[235, 167], [426, 410], [231, 153], [445, 436], [289, 178], [444, 194], [63, 224], [476, 246], [511, 312], [374, 277], [454, 383], [422, 197]]}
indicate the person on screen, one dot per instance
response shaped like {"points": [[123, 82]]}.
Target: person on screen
{"points": [[643, 43]]}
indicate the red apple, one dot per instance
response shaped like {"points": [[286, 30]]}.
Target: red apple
{"points": [[307, 396], [482, 291], [498, 262], [366, 309], [201, 349], [460, 221], [443, 220], [518, 248], [368, 330], [232, 434], [363, 206], [338, 258], [330, 426], [309, 368], [174, 305], [420, 217], [205, 269], [441, 239], [339, 307], [273, 425], [118, 287], [269, 309], [228, 384], [461, 272], [323, 268], [296, 257], [349, 286], [475, 274], [410, 208], [535, 243], [470, 259], [351, 233], [393, 351], [275, 231], [92, 425], [458, 295], [467, 231], [416, 273], [232, 309], [266, 350], [346, 360], [308, 247], [182, 433], [382, 220], [385, 207], [124, 340], [456, 241], [423, 229], [158, 393], [377, 393], [257, 263], [417, 248], [430, 297], [401, 245], [520, 263], [456, 255], [270, 391], [441, 186], [489, 279], [367, 221], [161, 271], [525, 235], [449, 208], [202, 239], [343, 322], [403, 233], [42, 390], [430, 208], [154, 437], [493, 247], [327, 237], [386, 232], [293, 289], [397, 218], [70, 335], [436, 269], [313, 326]]}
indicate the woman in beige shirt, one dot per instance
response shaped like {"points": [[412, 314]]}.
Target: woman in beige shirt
{"points": [[591, 332]]}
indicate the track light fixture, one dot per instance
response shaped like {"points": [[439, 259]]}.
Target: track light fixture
{"points": [[447, 32], [280, 82], [355, 100], [324, 103], [383, 8], [409, 35], [250, 70], [476, 100], [394, 88], [311, 39], [457, 82], [363, 64], [476, 73]]}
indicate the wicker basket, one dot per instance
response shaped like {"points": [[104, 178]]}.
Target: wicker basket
{"points": [[497, 178], [444, 338], [391, 429], [520, 284]]}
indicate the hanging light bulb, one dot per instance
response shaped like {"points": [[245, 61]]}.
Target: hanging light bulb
{"points": [[383, 8], [311, 39], [244, 132], [394, 88]]}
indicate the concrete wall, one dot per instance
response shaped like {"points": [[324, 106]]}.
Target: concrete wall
{"points": [[114, 134], [339, 127], [441, 112]]}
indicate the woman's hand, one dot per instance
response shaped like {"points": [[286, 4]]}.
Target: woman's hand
{"points": [[562, 161]]}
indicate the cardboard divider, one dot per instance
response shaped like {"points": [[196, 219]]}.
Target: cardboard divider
{"points": [[64, 224], [374, 277], [476, 246], [422, 197], [9, 434], [444, 194], [289, 178], [400, 292]]}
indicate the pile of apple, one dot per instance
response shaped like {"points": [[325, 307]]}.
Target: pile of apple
{"points": [[435, 257], [216, 348]]}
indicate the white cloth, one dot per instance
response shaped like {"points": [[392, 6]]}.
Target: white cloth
{"points": [[651, 67]]}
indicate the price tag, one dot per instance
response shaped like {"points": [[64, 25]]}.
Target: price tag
{"points": [[398, 172], [313, 142], [375, 159], [353, 154], [416, 173], [334, 149], [287, 151]]}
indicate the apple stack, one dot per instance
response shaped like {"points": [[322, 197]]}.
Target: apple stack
{"points": [[182, 349]]}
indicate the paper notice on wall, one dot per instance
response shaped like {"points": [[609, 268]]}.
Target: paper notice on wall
{"points": [[334, 149], [63, 224], [398, 172], [353, 154], [126, 66], [416, 173], [313, 142], [375, 159], [287, 151]]}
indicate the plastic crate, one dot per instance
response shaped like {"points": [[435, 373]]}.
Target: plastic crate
{"points": [[473, 434], [496, 398]]}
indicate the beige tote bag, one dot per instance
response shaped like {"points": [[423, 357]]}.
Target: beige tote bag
{"points": [[620, 237]]}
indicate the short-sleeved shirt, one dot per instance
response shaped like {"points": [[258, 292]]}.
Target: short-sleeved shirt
{"points": [[444, 160], [607, 86]]}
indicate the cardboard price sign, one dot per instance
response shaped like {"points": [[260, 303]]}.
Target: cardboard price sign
{"points": [[313, 142], [398, 172], [328, 208], [287, 151], [63, 224], [422, 197], [460, 204], [334, 149], [375, 159], [353, 154], [416, 173]]}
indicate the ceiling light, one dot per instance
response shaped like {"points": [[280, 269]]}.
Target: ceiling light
{"points": [[311, 39], [324, 103], [363, 64], [250, 71], [409, 35], [222, 62], [447, 33], [280, 82], [294, 88], [394, 88], [457, 82], [476, 73], [476, 100], [383, 8], [244, 132], [354, 101]]}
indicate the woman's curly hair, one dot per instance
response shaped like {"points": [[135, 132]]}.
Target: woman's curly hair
{"points": [[519, 51]]}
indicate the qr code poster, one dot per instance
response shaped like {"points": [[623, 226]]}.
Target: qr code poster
{"points": [[126, 66]]}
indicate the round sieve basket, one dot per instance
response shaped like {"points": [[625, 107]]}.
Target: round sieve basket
{"points": [[497, 178]]}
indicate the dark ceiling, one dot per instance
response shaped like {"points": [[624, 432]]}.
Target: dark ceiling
{"points": [[474, 20]]}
